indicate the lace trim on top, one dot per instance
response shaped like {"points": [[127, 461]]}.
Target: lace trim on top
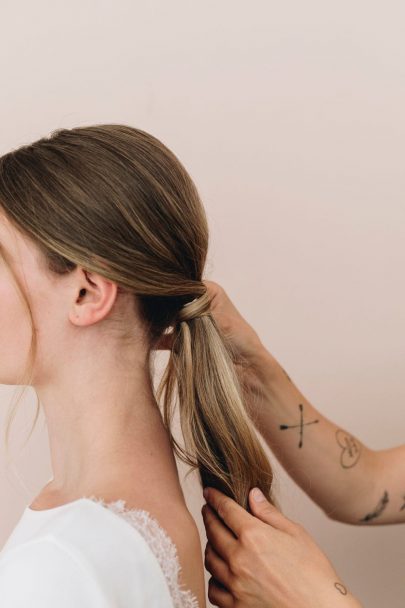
{"points": [[161, 545]]}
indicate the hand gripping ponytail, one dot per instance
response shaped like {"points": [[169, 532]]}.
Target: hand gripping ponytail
{"points": [[219, 437]]}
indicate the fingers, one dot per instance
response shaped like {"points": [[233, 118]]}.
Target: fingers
{"points": [[219, 596], [216, 566], [269, 514], [234, 516], [218, 535], [214, 289]]}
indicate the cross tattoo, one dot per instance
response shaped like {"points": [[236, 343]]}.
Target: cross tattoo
{"points": [[301, 425]]}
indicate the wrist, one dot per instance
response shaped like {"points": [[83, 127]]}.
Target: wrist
{"points": [[344, 602], [338, 596], [269, 389], [264, 366], [265, 375]]}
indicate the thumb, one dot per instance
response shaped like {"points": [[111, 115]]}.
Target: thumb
{"points": [[266, 512]]}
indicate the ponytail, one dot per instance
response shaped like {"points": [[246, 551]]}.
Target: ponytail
{"points": [[219, 437]]}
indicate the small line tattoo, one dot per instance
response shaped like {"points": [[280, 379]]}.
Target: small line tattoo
{"points": [[351, 449], [382, 503], [403, 506], [284, 427], [341, 588]]}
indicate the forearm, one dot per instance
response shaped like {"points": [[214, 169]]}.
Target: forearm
{"points": [[332, 466]]}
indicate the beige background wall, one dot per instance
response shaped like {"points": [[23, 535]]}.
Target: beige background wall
{"points": [[290, 118]]}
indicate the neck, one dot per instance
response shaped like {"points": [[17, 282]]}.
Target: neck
{"points": [[106, 432]]}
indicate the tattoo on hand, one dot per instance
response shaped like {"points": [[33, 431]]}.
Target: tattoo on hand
{"points": [[403, 506], [351, 449], [341, 588], [301, 425], [382, 503]]}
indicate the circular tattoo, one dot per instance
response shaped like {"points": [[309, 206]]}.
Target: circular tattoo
{"points": [[341, 588], [351, 449]]}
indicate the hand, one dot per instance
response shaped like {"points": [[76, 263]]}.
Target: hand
{"points": [[265, 560]]}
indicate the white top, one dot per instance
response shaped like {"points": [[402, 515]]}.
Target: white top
{"points": [[90, 554]]}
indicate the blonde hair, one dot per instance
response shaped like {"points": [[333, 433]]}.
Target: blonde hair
{"points": [[116, 201]]}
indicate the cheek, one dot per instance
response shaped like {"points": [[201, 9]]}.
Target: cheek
{"points": [[15, 334]]}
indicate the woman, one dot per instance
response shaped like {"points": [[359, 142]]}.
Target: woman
{"points": [[269, 560], [104, 241]]}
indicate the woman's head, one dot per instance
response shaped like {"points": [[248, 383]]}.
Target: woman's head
{"points": [[112, 202]]}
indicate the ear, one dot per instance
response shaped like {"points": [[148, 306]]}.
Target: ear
{"points": [[94, 298]]}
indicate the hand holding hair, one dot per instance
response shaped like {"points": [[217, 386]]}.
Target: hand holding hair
{"points": [[265, 560]]}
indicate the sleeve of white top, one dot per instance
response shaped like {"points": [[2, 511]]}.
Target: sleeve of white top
{"points": [[44, 574]]}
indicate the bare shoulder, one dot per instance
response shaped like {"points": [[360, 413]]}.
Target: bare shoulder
{"points": [[184, 532]]}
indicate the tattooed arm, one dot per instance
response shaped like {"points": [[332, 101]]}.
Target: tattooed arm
{"points": [[348, 480]]}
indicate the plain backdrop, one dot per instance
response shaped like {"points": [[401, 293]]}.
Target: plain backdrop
{"points": [[289, 116]]}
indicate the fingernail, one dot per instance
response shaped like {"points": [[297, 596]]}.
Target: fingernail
{"points": [[258, 495], [205, 493]]}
